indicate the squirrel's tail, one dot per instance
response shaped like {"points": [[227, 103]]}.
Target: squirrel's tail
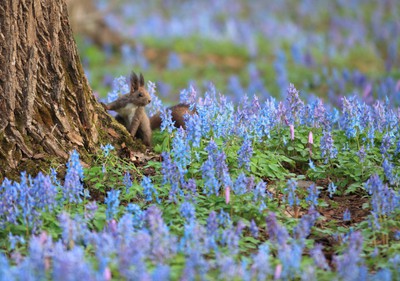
{"points": [[177, 111], [155, 121]]}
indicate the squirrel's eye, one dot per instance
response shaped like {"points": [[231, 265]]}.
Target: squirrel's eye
{"points": [[140, 95]]}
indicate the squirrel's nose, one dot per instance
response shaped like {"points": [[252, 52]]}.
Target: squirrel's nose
{"points": [[149, 101]]}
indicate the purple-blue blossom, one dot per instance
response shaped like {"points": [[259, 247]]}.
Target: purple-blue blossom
{"points": [[259, 191], [331, 189], [328, 150], [276, 232], [290, 193], [384, 200], [313, 194], [188, 211], [127, 181], [389, 172], [112, 203], [211, 184], [193, 129], [106, 149], [166, 121], [212, 223], [27, 199], [240, 184], [303, 229], [163, 244], [319, 258], [137, 215], [73, 187], [349, 264], [253, 229], [181, 150], [244, 154], [90, 210], [149, 190], [261, 269], [346, 215], [120, 87], [295, 105], [224, 219], [156, 104], [188, 96], [362, 154]]}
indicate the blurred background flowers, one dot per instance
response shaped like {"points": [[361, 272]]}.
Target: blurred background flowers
{"points": [[327, 49]]}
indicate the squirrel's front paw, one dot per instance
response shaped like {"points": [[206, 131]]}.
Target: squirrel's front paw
{"points": [[105, 106]]}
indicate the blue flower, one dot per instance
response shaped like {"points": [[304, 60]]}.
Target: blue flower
{"points": [[384, 200], [119, 87], [253, 229], [389, 173], [112, 202], [163, 245], [319, 257], [276, 232], [303, 229], [73, 187], [331, 189], [290, 256], [70, 265], [313, 194], [166, 121], [127, 181], [138, 214], [169, 170], [362, 154], [174, 61], [351, 116], [224, 219], [290, 193], [260, 268], [212, 223], [188, 211], [106, 149], [156, 104], [161, 272], [90, 210], [14, 240], [181, 150], [328, 150], [386, 143], [295, 105], [188, 96], [149, 190], [244, 154], [193, 129], [311, 164], [259, 191], [349, 264], [346, 215], [241, 184]]}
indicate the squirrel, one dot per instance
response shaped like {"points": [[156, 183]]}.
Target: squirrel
{"points": [[178, 112], [131, 112]]}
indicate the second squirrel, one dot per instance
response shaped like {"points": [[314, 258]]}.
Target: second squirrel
{"points": [[178, 113]]}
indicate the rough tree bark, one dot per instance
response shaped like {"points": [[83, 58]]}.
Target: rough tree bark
{"points": [[46, 104]]}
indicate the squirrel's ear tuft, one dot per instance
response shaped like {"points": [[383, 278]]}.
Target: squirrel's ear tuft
{"points": [[141, 80], [134, 82]]}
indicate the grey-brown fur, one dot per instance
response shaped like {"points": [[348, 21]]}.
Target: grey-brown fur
{"points": [[177, 111], [131, 112]]}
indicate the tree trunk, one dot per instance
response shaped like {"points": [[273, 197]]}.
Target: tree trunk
{"points": [[46, 105]]}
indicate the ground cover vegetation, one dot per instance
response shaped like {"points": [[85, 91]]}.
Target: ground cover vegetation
{"points": [[289, 170]]}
